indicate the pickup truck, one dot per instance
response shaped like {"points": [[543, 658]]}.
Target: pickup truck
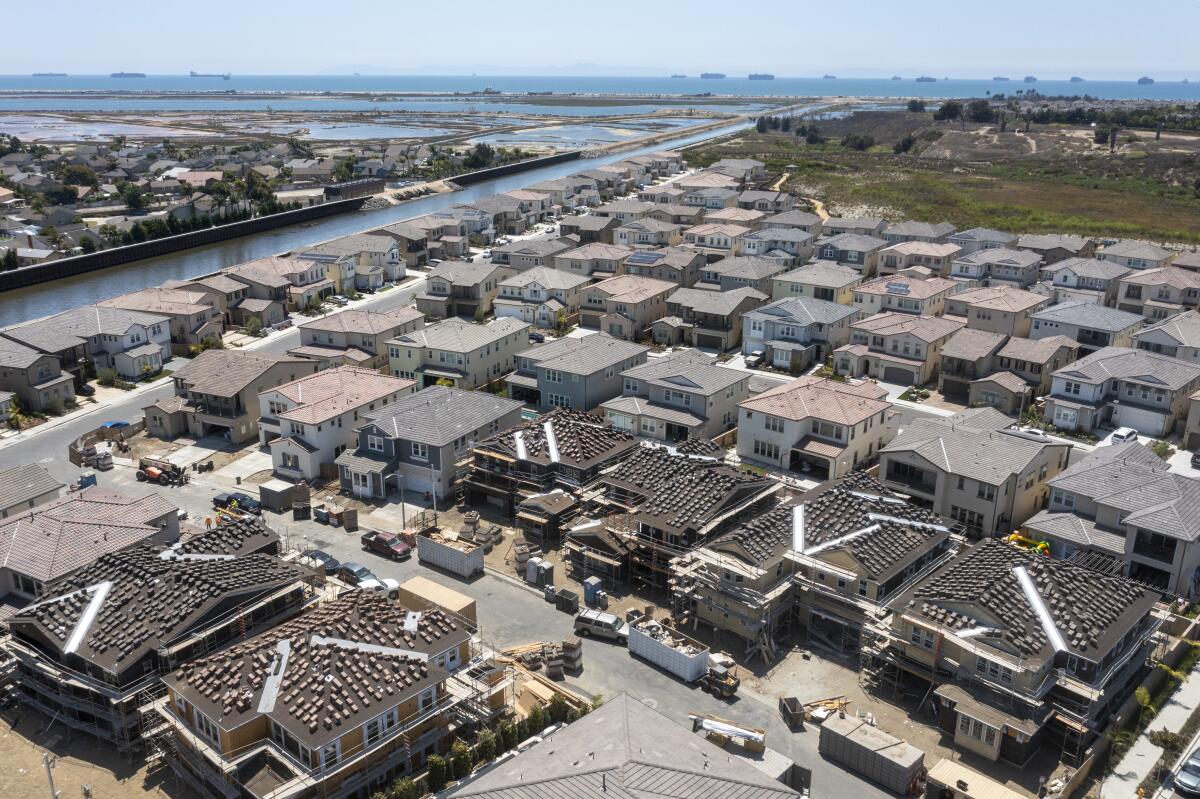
{"points": [[387, 544]]}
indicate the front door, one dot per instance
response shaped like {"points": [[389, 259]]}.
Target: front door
{"points": [[361, 484]]}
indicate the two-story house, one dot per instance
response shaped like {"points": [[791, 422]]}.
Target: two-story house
{"points": [[677, 397], [704, 318], [1093, 326], [594, 260], [820, 280], [1177, 336], [797, 220], [975, 467], [927, 232], [624, 210], [735, 216], [422, 441], [998, 266], [796, 332], [714, 238], [673, 264], [872, 226], [193, 316], [967, 356], [540, 296], [461, 288], [527, 253], [740, 271], [1083, 279], [895, 347], [589, 228], [1159, 293], [1054, 247], [573, 372], [1122, 387], [225, 293], [936, 257], [683, 215], [644, 233], [1135, 255], [904, 294], [769, 202], [625, 306], [1036, 360], [308, 422], [711, 198], [457, 353], [999, 308], [354, 337], [294, 282], [790, 245], [981, 238], [815, 426], [855, 250], [359, 261], [413, 242]]}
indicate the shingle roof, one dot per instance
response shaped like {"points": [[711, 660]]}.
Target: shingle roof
{"points": [[853, 241], [821, 398], [926, 328], [914, 228], [19, 356], [1089, 315], [224, 373], [719, 303], [456, 335], [972, 444], [804, 311], [985, 234], [792, 218], [969, 344], [438, 415], [1172, 276], [1140, 366], [370, 322], [1001, 255], [828, 274]]}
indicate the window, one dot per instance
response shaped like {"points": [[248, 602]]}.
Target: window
{"points": [[426, 700], [558, 401], [375, 443], [207, 728], [766, 449], [420, 451], [974, 728], [553, 376], [994, 670], [1060, 497], [291, 461], [379, 726], [922, 637], [631, 385], [772, 423], [985, 491], [331, 753]]}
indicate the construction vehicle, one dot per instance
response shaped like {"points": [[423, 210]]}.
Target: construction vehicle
{"points": [[165, 473], [720, 682]]}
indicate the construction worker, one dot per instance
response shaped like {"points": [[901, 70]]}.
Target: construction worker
{"points": [[207, 522]]}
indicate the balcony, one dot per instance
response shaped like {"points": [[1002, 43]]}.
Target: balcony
{"points": [[1162, 553], [918, 483]]}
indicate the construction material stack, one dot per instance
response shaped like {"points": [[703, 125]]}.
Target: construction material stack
{"points": [[572, 649], [552, 653]]}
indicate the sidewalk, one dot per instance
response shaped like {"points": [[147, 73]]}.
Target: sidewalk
{"points": [[1135, 766]]}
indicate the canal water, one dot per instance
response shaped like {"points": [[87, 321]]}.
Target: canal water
{"points": [[49, 298]]}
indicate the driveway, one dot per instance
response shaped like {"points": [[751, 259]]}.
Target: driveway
{"points": [[194, 453]]}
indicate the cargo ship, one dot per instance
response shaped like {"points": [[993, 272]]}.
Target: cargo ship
{"points": [[49, 74], [829, 77], [127, 75], [1076, 79], [1144, 81], [1030, 79], [926, 79], [678, 76], [1000, 79], [222, 76], [761, 76], [896, 77], [712, 75]]}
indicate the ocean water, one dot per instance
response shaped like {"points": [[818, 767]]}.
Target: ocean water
{"points": [[470, 84]]}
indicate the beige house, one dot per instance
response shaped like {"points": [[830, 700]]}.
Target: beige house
{"points": [[194, 315], [626, 306], [36, 379], [457, 353], [1159, 293], [904, 294], [820, 280], [291, 281], [937, 258], [998, 309], [540, 296], [594, 260], [677, 265], [643, 233], [716, 238], [1036, 360], [354, 338], [895, 347], [461, 288], [975, 468], [814, 426]]}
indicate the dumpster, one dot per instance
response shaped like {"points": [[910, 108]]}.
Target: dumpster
{"points": [[567, 602], [321, 514], [301, 511], [881, 758]]}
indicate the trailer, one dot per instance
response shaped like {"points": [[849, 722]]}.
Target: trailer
{"points": [[668, 649], [871, 752], [463, 558]]}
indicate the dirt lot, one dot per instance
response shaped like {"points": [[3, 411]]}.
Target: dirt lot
{"points": [[81, 761]]}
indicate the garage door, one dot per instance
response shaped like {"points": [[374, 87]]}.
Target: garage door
{"points": [[894, 374], [711, 342], [416, 479]]}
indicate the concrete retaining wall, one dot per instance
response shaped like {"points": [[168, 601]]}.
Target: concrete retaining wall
{"points": [[471, 178]]}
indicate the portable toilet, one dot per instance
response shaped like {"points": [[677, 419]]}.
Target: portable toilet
{"points": [[545, 573], [591, 590], [87, 479], [531, 570]]}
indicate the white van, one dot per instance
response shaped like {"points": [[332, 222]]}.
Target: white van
{"points": [[1124, 434]]}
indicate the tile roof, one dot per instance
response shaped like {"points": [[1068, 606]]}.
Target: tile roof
{"points": [[926, 328], [225, 373], [1172, 276], [631, 288], [370, 322], [1006, 380], [1141, 366], [332, 392], [643, 755], [905, 286], [1000, 298], [853, 241], [582, 440], [584, 355], [1135, 249], [750, 267], [969, 344], [157, 300], [974, 443], [1089, 267], [687, 369], [464, 273], [1038, 350], [1001, 255], [804, 311], [1183, 328], [985, 234], [456, 335], [19, 356], [793, 218], [20, 484], [1032, 241], [70, 328], [821, 398], [270, 271], [829, 274], [546, 278], [640, 406], [1076, 529], [438, 415], [927, 248], [719, 303], [1090, 315], [979, 588]]}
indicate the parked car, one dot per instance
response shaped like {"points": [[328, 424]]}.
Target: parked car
{"points": [[384, 585], [1123, 434], [115, 425], [244, 502], [324, 558], [389, 545], [754, 359], [1187, 779], [602, 625], [339, 300], [86, 390], [1196, 459], [354, 573], [536, 338]]}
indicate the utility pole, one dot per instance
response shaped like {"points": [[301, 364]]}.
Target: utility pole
{"points": [[48, 761]]}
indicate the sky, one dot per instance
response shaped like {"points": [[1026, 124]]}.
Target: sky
{"points": [[790, 38]]}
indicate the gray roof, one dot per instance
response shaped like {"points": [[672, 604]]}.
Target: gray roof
{"points": [[1076, 529], [69, 329], [687, 369], [1089, 267], [805, 311], [624, 750], [225, 373], [721, 303], [584, 355], [793, 218], [463, 273], [17, 356], [985, 234], [1032, 241], [456, 335], [1183, 328], [20, 484], [827, 274], [538, 247], [1001, 255], [1038, 350], [364, 321], [1135, 249], [779, 234], [1140, 366], [969, 344], [926, 229], [746, 266], [1090, 315], [438, 415], [855, 242], [547, 278], [972, 443]]}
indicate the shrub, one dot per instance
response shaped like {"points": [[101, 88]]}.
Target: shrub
{"points": [[858, 141], [254, 326], [951, 109], [559, 709], [508, 735], [56, 406], [536, 720], [437, 772], [404, 788], [460, 760], [904, 145], [1162, 449], [106, 376], [485, 747], [916, 106]]}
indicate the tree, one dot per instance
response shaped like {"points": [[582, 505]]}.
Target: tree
{"points": [[137, 233], [786, 124], [254, 326], [536, 719], [761, 125], [88, 244], [482, 155], [79, 175], [10, 259], [508, 735], [858, 141], [485, 746], [904, 145], [436, 765], [813, 136], [132, 196], [916, 106], [404, 788], [110, 234], [980, 111], [51, 234], [559, 709], [951, 109], [460, 760], [106, 376], [61, 195]]}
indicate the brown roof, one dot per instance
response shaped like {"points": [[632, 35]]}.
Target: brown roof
{"points": [[821, 398], [1001, 298], [1036, 350], [331, 392], [1006, 380], [364, 321], [225, 373], [914, 287], [971, 345], [926, 328]]}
